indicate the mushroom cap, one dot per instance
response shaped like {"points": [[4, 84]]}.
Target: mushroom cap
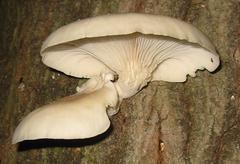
{"points": [[128, 23], [79, 116], [137, 47]]}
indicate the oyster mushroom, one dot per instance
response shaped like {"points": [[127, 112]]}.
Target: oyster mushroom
{"points": [[137, 48], [82, 115]]}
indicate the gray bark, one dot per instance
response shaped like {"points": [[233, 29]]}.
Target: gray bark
{"points": [[193, 122]]}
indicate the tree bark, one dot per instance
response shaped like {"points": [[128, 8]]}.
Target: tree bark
{"points": [[193, 122]]}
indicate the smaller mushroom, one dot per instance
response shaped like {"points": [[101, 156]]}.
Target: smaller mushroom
{"points": [[120, 54], [82, 115]]}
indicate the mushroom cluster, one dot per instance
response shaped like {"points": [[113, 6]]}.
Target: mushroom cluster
{"points": [[120, 54]]}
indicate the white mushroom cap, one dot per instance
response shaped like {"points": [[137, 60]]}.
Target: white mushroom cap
{"points": [[123, 24], [137, 47], [79, 116]]}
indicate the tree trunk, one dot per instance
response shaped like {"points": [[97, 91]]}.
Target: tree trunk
{"points": [[193, 122]]}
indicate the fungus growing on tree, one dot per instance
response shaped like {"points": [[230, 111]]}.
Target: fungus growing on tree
{"points": [[135, 48]]}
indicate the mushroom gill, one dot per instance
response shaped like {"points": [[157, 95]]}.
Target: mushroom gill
{"points": [[136, 58]]}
